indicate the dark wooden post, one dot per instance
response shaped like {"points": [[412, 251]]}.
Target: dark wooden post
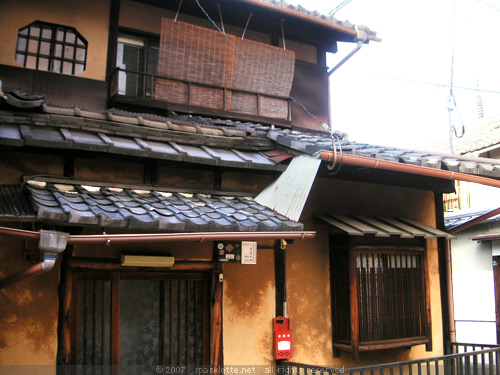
{"points": [[353, 299], [64, 323], [216, 317]]}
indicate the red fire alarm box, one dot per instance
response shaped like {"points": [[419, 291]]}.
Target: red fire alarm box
{"points": [[282, 338]]}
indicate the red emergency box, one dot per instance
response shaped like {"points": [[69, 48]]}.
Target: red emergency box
{"points": [[282, 338]]}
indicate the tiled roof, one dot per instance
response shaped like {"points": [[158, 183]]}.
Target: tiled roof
{"points": [[310, 143], [314, 13], [478, 136], [94, 205], [199, 140], [179, 138], [14, 204], [452, 220]]}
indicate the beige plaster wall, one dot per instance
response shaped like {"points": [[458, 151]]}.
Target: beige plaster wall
{"points": [[89, 17]]}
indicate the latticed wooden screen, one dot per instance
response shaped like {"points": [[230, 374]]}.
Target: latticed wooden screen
{"points": [[133, 320], [205, 70], [391, 296], [379, 295]]}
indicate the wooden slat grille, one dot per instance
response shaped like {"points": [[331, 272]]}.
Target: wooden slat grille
{"points": [[180, 307], [391, 296]]}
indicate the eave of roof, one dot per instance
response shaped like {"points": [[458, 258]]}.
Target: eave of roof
{"points": [[208, 141], [286, 11], [88, 203]]}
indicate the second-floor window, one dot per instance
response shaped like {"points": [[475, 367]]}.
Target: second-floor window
{"points": [[137, 60], [52, 48]]}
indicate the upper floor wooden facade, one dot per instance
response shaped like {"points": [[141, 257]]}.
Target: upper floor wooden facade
{"points": [[103, 54]]}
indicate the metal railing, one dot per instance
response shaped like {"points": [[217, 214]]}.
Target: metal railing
{"points": [[144, 85], [485, 361]]}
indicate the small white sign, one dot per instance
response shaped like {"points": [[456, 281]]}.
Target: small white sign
{"points": [[248, 252]]}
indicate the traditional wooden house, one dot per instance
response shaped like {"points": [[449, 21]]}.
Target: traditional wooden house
{"points": [[168, 189]]}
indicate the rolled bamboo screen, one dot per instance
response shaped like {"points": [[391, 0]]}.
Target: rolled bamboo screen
{"points": [[202, 62]]}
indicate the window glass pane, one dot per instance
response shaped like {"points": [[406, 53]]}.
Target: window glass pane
{"points": [[80, 54], [78, 68], [80, 42], [23, 31], [67, 68], [45, 48], [33, 46], [35, 31], [20, 59], [56, 66], [60, 35], [47, 32], [58, 50], [31, 62], [43, 64], [21, 44], [68, 52], [139, 322], [70, 37]]}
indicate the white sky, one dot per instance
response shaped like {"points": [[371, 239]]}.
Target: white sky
{"points": [[376, 97]]}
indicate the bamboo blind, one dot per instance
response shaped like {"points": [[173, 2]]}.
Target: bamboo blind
{"points": [[196, 57]]}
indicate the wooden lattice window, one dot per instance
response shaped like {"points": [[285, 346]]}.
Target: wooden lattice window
{"points": [[146, 319], [380, 296], [53, 48]]}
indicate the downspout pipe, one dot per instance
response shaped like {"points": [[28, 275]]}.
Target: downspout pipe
{"points": [[51, 244], [361, 35], [449, 283]]}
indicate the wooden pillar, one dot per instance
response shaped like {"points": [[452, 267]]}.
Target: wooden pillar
{"points": [[64, 322], [353, 299], [216, 357]]}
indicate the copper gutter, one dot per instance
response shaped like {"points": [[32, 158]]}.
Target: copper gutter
{"points": [[165, 237], [362, 161], [306, 17]]}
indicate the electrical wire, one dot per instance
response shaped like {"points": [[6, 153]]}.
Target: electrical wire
{"points": [[451, 98], [266, 77], [335, 168], [339, 7]]}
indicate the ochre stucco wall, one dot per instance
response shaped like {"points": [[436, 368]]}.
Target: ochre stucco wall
{"points": [[89, 17], [249, 305], [28, 310], [249, 299], [308, 272]]}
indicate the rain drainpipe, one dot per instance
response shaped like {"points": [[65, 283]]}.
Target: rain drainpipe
{"points": [[361, 34], [51, 244]]}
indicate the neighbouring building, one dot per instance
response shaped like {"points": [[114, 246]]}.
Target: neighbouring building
{"points": [[190, 135], [471, 212]]}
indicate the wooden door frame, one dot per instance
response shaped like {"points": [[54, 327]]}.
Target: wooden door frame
{"points": [[67, 305]]}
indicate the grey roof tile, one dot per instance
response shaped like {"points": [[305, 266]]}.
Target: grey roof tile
{"points": [[76, 203]]}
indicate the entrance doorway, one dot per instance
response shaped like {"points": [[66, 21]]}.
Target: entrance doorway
{"points": [[132, 318]]}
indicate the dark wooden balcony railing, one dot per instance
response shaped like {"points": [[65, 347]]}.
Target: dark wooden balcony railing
{"points": [[468, 359], [150, 88]]}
